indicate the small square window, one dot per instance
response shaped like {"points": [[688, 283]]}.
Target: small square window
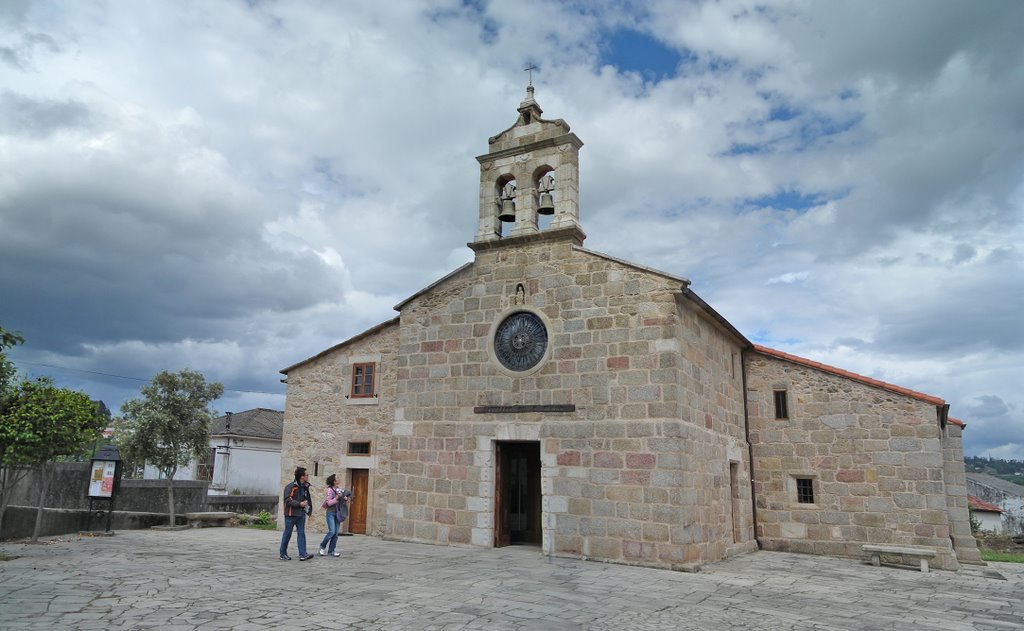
{"points": [[781, 408], [805, 491], [359, 449], [363, 380]]}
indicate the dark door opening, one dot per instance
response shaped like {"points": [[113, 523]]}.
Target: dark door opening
{"points": [[517, 493]]}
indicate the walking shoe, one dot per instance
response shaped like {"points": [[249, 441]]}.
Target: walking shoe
{"points": [[322, 553], [306, 558], [285, 557], [337, 554]]}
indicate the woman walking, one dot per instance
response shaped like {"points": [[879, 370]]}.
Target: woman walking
{"points": [[336, 507]]}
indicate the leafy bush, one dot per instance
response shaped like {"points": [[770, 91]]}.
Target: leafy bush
{"points": [[264, 518]]}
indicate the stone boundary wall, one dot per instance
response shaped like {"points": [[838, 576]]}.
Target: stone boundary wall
{"points": [[20, 521], [242, 504], [66, 504]]}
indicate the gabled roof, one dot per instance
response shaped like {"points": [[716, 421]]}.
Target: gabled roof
{"points": [[366, 333], [684, 290], [920, 396], [432, 285], [1000, 484], [256, 423], [982, 505]]}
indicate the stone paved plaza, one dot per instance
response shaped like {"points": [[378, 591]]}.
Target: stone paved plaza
{"points": [[231, 578]]}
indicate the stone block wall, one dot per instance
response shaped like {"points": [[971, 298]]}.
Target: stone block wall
{"points": [[875, 459], [320, 419], [956, 495], [639, 472]]}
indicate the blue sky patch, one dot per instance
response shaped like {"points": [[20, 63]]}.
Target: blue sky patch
{"points": [[788, 199], [633, 51]]}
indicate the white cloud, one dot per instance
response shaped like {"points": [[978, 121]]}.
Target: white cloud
{"points": [[243, 185]]}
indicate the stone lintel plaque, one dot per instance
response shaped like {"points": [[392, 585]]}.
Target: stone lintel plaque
{"points": [[513, 409]]}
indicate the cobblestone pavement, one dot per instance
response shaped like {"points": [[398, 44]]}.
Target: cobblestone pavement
{"points": [[231, 578]]}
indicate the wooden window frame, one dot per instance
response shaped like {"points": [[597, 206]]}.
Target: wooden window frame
{"points": [[369, 448], [781, 403], [359, 380]]}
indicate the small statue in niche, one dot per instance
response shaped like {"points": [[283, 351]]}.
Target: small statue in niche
{"points": [[520, 297]]}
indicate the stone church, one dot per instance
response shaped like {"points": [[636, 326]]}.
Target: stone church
{"points": [[549, 395]]}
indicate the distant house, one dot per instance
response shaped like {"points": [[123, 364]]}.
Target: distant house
{"points": [[244, 455], [1005, 495], [989, 516]]}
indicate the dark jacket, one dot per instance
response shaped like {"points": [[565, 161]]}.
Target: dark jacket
{"points": [[294, 494]]}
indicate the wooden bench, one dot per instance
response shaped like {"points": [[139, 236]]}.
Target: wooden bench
{"points": [[201, 520], [877, 550]]}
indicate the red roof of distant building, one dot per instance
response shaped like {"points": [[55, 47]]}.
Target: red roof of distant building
{"points": [[956, 421], [927, 398], [978, 504]]}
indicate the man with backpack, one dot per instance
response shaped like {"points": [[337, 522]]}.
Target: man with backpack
{"points": [[297, 506]]}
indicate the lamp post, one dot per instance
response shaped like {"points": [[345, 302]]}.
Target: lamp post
{"points": [[104, 480]]}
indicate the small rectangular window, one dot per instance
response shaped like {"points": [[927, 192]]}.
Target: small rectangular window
{"points": [[316, 469], [781, 409], [805, 490], [362, 380], [359, 449], [204, 470]]}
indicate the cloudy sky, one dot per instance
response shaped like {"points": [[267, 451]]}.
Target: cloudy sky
{"points": [[235, 186]]}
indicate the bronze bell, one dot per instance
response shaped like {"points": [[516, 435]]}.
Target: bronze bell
{"points": [[547, 204], [508, 211]]}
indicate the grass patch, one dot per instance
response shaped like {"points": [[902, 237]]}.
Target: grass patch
{"points": [[4, 557], [261, 526], [1005, 557]]}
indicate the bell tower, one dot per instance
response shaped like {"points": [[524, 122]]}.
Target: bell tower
{"points": [[531, 168]]}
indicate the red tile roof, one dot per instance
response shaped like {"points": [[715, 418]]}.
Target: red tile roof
{"points": [[956, 421], [977, 504], [927, 398]]}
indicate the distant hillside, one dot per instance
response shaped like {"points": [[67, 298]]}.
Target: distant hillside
{"points": [[1009, 470]]}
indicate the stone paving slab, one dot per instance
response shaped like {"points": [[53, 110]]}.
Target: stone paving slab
{"points": [[231, 578]]}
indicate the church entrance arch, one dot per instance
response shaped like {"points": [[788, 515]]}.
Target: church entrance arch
{"points": [[517, 518]]}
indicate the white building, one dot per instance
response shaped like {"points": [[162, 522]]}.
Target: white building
{"points": [[989, 516], [1004, 494], [244, 456]]}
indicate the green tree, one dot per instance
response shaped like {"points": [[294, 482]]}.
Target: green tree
{"points": [[169, 425], [8, 339], [9, 473], [40, 423]]}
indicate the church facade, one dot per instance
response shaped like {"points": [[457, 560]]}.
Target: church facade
{"points": [[549, 395]]}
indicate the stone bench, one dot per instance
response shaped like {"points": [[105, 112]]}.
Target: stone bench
{"points": [[201, 520], [877, 550]]}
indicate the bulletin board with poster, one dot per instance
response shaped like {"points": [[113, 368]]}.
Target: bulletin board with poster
{"points": [[101, 481]]}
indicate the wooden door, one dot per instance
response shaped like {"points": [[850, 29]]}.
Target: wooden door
{"points": [[502, 535], [357, 509]]}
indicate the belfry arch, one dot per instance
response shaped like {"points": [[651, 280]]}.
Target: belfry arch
{"points": [[541, 157]]}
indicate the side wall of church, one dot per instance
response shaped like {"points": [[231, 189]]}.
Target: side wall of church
{"points": [[875, 460], [321, 419], [638, 473]]}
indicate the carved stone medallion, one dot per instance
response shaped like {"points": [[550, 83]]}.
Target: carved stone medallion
{"points": [[520, 341]]}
